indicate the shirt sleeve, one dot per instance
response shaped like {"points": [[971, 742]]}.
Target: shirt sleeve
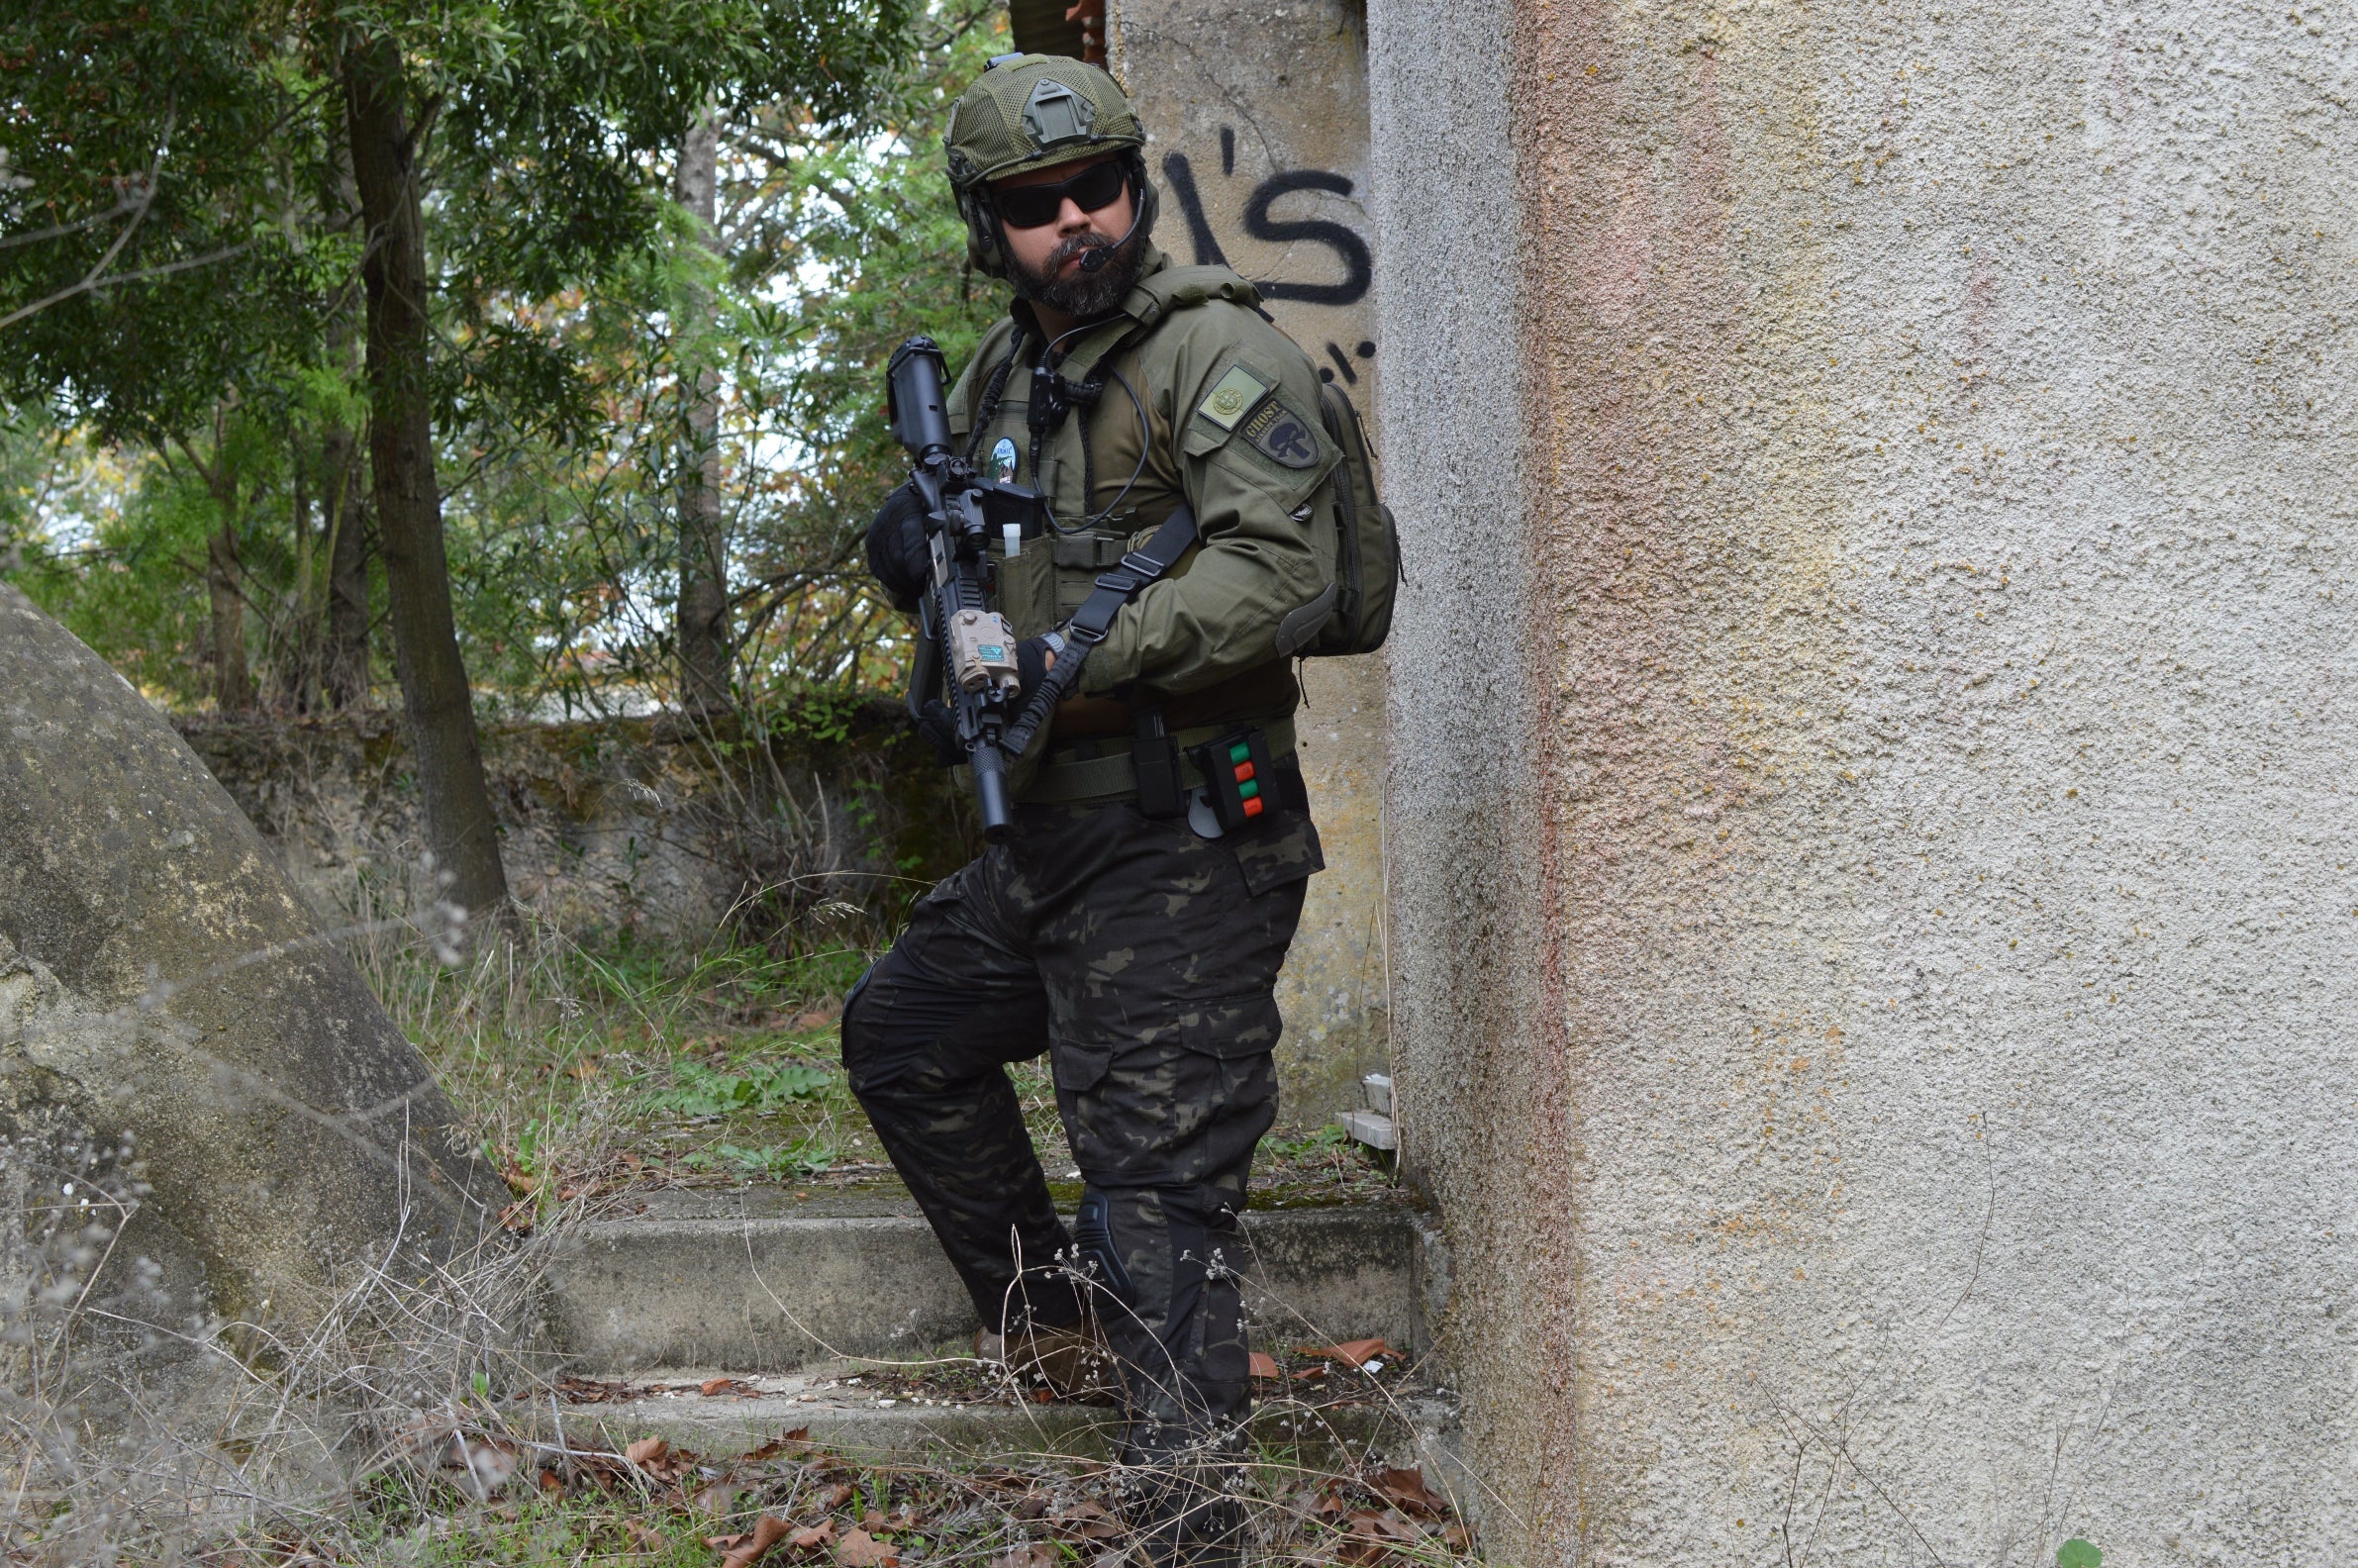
{"points": [[1252, 455]]}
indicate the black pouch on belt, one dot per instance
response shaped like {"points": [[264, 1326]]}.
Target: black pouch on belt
{"points": [[1236, 777], [1154, 757]]}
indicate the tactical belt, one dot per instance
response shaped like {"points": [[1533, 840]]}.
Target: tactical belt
{"points": [[1112, 776]]}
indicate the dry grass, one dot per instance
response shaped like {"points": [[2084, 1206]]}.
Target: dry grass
{"points": [[380, 1431]]}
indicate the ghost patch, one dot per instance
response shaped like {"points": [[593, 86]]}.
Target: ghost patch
{"points": [[1282, 436], [1003, 461]]}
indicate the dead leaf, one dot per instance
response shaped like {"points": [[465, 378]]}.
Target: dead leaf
{"points": [[768, 1531], [1263, 1366], [648, 1451], [1458, 1539], [715, 1499], [552, 1483], [648, 1539], [777, 1446], [828, 1499], [812, 1535], [859, 1550], [1039, 1554], [480, 1466], [1351, 1352], [518, 1216], [724, 1385], [1406, 1490], [1088, 1520]]}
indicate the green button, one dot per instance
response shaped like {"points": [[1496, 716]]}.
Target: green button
{"points": [[1241, 751], [1249, 789]]}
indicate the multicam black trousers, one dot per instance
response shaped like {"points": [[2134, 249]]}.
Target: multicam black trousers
{"points": [[1141, 958]]}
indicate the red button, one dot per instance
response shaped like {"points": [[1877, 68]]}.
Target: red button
{"points": [[1252, 808]]}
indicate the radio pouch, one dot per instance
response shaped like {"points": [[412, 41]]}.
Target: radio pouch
{"points": [[1236, 777]]}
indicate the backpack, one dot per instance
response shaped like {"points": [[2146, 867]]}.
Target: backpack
{"points": [[1367, 542]]}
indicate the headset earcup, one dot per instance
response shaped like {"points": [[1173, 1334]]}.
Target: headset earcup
{"points": [[983, 248]]}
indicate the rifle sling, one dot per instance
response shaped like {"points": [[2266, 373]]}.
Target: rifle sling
{"points": [[1089, 624]]}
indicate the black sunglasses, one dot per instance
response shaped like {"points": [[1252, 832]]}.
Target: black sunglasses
{"points": [[1031, 205]]}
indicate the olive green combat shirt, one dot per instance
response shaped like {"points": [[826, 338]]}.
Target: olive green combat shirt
{"points": [[1230, 425]]}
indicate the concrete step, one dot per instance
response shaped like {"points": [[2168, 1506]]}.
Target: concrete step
{"points": [[756, 1280], [1415, 1426]]}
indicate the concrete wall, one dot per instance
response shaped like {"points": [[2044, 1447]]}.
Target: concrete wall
{"points": [[1257, 134], [626, 823], [1874, 930]]}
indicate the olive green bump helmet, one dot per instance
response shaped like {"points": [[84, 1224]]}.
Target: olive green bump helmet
{"points": [[1035, 110]]}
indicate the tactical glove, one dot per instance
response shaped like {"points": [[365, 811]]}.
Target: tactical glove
{"points": [[937, 728], [896, 552], [1031, 663]]}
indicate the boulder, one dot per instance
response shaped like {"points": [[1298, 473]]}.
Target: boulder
{"points": [[173, 1019]]}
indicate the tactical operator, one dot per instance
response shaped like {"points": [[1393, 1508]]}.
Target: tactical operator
{"points": [[1121, 929]]}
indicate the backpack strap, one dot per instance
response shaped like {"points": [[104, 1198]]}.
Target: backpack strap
{"points": [[1153, 297]]}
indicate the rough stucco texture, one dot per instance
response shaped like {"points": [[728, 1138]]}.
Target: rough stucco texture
{"points": [[1923, 440]]}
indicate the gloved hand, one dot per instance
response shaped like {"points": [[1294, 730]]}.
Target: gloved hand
{"points": [[937, 728], [896, 552], [1034, 657]]}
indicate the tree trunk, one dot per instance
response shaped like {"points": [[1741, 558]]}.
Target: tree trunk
{"points": [[703, 614], [298, 671], [409, 512], [233, 688], [343, 668], [344, 661]]}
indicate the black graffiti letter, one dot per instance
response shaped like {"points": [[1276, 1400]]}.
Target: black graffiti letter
{"points": [[1358, 267], [1181, 177]]}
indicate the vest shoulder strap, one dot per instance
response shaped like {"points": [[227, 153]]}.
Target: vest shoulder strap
{"points": [[1150, 302]]}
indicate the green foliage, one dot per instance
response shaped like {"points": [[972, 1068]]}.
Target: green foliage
{"points": [[163, 163], [841, 238], [758, 1088], [770, 1161], [2077, 1554], [184, 160]]}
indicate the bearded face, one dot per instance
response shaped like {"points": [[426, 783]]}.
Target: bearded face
{"points": [[1075, 290]]}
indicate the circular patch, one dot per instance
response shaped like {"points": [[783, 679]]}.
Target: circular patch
{"points": [[1003, 460], [1226, 402]]}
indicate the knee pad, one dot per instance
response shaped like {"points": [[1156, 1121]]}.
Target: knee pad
{"points": [[1093, 1238], [852, 1038]]}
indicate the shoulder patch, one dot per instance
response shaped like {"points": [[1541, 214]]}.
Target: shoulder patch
{"points": [[1282, 436], [1238, 394]]}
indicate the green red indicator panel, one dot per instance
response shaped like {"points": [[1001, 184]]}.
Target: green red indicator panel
{"points": [[1234, 770]]}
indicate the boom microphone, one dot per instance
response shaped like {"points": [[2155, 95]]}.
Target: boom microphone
{"points": [[1098, 257]]}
